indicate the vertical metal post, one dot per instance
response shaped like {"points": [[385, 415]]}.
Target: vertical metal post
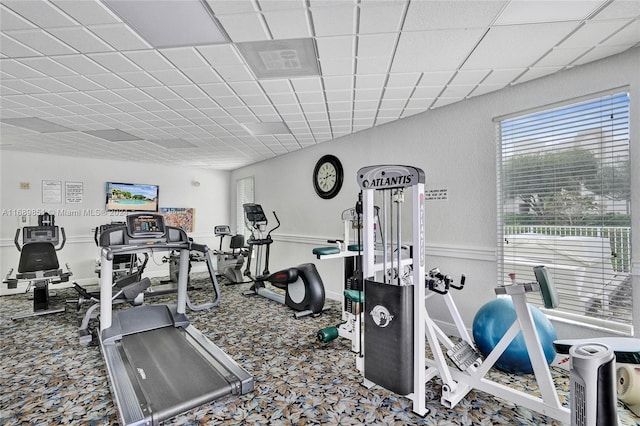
{"points": [[183, 281], [106, 282]]}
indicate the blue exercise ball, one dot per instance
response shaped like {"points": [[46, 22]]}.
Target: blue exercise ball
{"points": [[492, 322]]}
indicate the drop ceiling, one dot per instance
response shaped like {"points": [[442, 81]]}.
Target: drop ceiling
{"points": [[79, 66]]}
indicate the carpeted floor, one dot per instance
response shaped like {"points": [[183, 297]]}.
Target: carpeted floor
{"points": [[47, 378]]}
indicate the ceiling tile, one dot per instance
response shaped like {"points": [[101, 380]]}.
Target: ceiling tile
{"points": [[115, 62], [457, 91], [403, 79], [79, 82], [246, 88], [307, 84], [120, 36], [81, 64], [517, 46], [427, 92], [189, 91], [81, 39], [9, 20], [439, 50], [140, 79], [370, 81], [170, 77], [628, 35], [244, 27], [109, 81], [503, 76], [222, 7], [469, 77], [222, 54], [234, 73], [537, 72], [368, 94], [41, 41], [527, 12], [486, 88], [184, 57], [592, 33], [87, 12], [380, 17], [334, 20], [14, 49], [559, 56], [311, 97], [47, 66], [397, 93], [289, 23], [431, 15], [372, 65], [22, 86], [149, 60], [42, 13], [335, 47], [342, 66], [376, 44], [338, 82], [619, 9], [201, 75], [599, 53]]}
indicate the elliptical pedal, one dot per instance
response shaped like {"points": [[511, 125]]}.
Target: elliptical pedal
{"points": [[463, 355]]}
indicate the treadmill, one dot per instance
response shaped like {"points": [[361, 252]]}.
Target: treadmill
{"points": [[159, 365]]}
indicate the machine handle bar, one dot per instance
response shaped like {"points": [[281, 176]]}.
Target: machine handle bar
{"points": [[15, 240]]}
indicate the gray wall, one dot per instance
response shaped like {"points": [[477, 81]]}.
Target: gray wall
{"points": [[210, 201], [456, 147]]}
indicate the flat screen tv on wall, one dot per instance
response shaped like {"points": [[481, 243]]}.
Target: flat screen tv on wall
{"points": [[132, 197]]}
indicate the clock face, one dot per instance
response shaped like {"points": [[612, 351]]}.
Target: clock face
{"points": [[327, 176]]}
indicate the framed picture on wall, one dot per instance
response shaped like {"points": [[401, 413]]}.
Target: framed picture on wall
{"points": [[180, 217]]}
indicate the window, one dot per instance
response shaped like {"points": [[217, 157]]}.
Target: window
{"points": [[244, 194], [564, 194]]}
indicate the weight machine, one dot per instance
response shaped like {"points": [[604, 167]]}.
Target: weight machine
{"points": [[397, 320]]}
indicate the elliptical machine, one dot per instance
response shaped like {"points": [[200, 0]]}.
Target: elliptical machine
{"points": [[304, 290]]}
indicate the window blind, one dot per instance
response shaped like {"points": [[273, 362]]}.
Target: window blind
{"points": [[564, 194], [244, 194]]}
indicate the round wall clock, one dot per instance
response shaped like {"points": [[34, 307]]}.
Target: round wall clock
{"points": [[328, 176]]}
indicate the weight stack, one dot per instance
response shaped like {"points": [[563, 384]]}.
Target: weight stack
{"points": [[592, 383], [388, 336]]}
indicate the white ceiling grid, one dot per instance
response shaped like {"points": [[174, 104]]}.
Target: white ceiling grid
{"points": [[77, 64]]}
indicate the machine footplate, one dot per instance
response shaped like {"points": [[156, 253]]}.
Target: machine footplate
{"points": [[463, 355]]}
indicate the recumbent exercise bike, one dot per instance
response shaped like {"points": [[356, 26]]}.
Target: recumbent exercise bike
{"points": [[39, 264], [304, 290]]}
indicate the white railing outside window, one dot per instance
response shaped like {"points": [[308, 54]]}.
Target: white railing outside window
{"points": [[564, 194]]}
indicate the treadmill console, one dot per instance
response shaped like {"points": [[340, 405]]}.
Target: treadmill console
{"points": [[254, 213], [145, 225]]}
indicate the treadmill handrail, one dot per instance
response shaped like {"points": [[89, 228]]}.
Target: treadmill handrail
{"points": [[212, 274]]}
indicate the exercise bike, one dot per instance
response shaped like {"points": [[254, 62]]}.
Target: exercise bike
{"points": [[304, 290], [229, 263]]}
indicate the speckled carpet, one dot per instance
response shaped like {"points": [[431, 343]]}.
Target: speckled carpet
{"points": [[47, 378]]}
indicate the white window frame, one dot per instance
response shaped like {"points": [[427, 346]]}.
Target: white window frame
{"points": [[527, 245]]}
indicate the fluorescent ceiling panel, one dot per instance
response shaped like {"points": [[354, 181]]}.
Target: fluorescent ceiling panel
{"points": [[281, 58], [170, 23], [112, 135], [173, 143], [36, 124], [268, 128]]}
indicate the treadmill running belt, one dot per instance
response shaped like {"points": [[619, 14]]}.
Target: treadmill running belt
{"points": [[173, 375]]}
